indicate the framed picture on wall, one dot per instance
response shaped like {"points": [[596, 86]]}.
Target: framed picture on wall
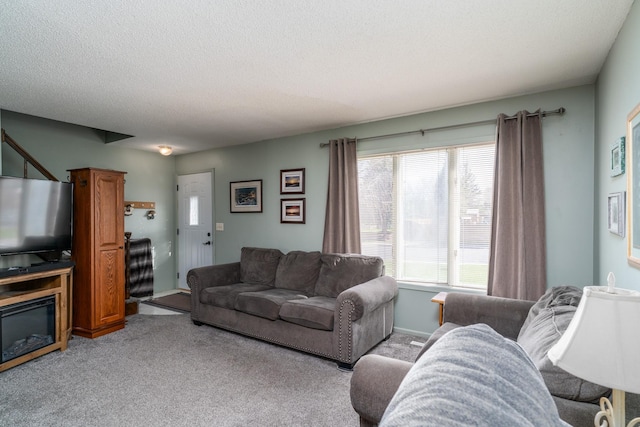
{"points": [[632, 148], [616, 213], [617, 157], [292, 181], [292, 211], [245, 196]]}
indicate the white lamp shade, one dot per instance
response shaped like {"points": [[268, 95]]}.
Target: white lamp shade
{"points": [[602, 342]]}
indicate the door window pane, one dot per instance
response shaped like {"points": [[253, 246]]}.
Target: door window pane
{"points": [[193, 210]]}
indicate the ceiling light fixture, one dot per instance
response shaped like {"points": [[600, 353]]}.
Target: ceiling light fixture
{"points": [[165, 150]]}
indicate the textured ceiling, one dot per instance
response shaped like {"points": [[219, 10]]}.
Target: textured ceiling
{"points": [[198, 74]]}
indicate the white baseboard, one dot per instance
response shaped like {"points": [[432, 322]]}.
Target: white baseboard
{"points": [[412, 332]]}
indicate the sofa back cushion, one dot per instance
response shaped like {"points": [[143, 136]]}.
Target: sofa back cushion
{"points": [[341, 271], [548, 319], [258, 266], [298, 270]]}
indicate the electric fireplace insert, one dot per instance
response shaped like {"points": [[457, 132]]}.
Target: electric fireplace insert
{"points": [[27, 326]]}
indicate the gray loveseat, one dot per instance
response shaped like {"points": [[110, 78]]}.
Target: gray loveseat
{"points": [[336, 306], [536, 326]]}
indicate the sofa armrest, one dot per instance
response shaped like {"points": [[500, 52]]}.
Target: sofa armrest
{"points": [[368, 296], [374, 381], [213, 275], [504, 315]]}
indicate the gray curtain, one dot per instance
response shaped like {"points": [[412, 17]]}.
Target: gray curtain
{"points": [[517, 261], [342, 219]]}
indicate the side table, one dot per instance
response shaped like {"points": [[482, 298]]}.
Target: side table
{"points": [[439, 298]]}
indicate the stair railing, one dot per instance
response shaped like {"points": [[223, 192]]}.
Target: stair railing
{"points": [[28, 158]]}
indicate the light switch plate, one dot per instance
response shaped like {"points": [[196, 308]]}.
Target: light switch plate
{"points": [[219, 226]]}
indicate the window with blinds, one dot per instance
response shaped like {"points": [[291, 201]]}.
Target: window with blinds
{"points": [[428, 213]]}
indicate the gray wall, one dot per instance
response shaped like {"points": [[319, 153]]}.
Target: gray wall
{"points": [[569, 159], [618, 92], [150, 177]]}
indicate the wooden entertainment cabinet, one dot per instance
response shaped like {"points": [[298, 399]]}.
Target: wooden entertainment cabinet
{"points": [[29, 286]]}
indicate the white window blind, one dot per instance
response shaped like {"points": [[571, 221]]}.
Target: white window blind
{"points": [[428, 213]]}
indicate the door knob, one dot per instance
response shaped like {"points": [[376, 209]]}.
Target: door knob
{"points": [[207, 243]]}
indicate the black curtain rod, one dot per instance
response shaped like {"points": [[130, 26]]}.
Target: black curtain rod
{"points": [[559, 112]]}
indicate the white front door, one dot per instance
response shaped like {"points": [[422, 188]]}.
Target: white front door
{"points": [[195, 224]]}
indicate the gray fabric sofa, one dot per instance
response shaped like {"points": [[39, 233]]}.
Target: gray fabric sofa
{"points": [[536, 326], [337, 306]]}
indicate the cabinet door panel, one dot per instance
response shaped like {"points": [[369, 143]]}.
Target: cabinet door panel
{"points": [[109, 286], [109, 211]]}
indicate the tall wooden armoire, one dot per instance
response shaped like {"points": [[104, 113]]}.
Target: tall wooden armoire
{"points": [[98, 251]]}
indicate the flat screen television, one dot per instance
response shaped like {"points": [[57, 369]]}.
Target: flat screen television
{"points": [[36, 217]]}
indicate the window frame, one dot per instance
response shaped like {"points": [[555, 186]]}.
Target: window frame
{"points": [[453, 208]]}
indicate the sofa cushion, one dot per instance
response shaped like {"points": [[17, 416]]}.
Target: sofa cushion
{"points": [[258, 266], [298, 270], [340, 272], [548, 319], [314, 312], [554, 297], [266, 303], [225, 296]]}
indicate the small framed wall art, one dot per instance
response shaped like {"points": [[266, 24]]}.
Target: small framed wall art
{"points": [[292, 211], [632, 148], [616, 213], [245, 196], [292, 181], [618, 157]]}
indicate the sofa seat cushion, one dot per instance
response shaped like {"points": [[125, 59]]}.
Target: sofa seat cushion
{"points": [[266, 303], [340, 272], [298, 270], [548, 319], [258, 266], [314, 312], [225, 296]]}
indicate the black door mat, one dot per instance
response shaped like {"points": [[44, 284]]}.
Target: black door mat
{"points": [[180, 302]]}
